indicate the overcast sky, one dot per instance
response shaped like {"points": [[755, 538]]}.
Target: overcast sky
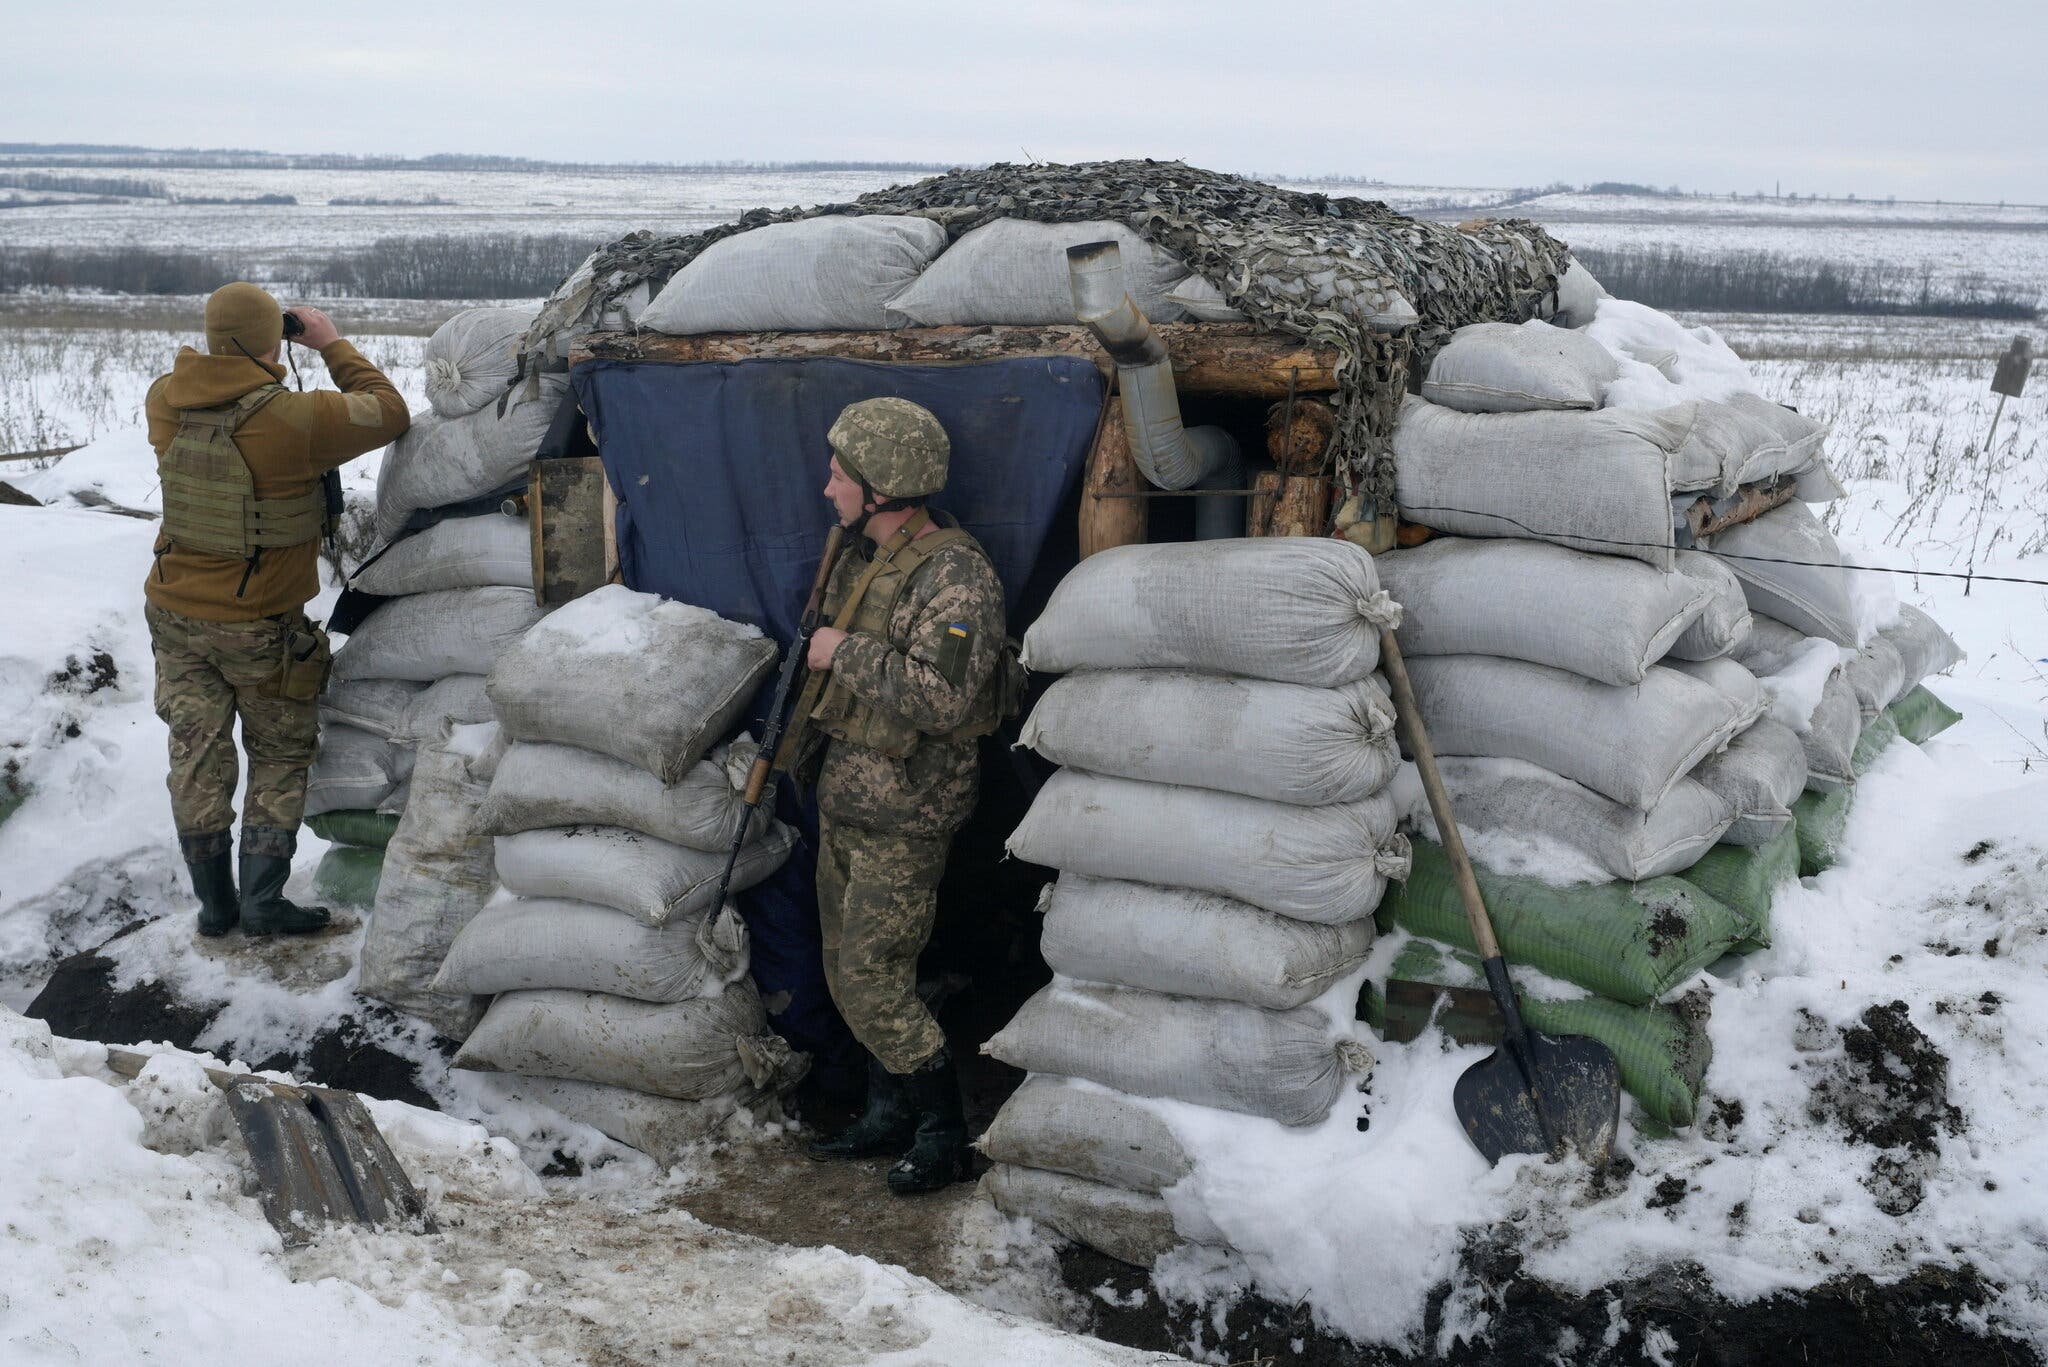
{"points": [[1881, 97]]}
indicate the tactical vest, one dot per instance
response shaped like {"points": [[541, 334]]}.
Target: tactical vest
{"points": [[210, 501]]}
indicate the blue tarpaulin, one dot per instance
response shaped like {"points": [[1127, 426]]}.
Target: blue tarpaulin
{"points": [[720, 470]]}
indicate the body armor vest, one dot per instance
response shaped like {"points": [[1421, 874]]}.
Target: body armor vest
{"points": [[210, 501]]}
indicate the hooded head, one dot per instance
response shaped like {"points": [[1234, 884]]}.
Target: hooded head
{"points": [[243, 319]]}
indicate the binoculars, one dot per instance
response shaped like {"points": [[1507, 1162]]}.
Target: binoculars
{"points": [[292, 326]]}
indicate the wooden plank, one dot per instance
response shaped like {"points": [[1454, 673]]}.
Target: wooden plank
{"points": [[565, 503], [1751, 502], [1107, 522]]}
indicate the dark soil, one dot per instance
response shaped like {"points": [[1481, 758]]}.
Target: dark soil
{"points": [[1890, 1090], [87, 677]]}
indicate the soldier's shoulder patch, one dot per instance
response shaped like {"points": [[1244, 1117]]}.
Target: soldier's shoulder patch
{"points": [[956, 646], [363, 410]]}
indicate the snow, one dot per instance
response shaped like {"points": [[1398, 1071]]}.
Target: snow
{"points": [[616, 620], [1662, 361]]}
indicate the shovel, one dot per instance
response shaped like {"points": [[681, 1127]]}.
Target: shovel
{"points": [[1536, 1093]]}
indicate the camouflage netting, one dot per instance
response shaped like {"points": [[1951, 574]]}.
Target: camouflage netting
{"points": [[1332, 270]]}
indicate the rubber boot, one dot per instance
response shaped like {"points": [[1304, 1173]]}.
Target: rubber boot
{"points": [[885, 1126], [939, 1153], [266, 863], [208, 859]]}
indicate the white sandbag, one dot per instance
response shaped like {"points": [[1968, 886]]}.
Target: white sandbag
{"points": [[454, 553], [1511, 368], [1289, 1066], [1325, 864], [1293, 609], [472, 358], [1790, 568], [1598, 482], [519, 943], [1830, 737], [1876, 674], [1629, 743], [1578, 297], [706, 1047], [459, 698], [1760, 775], [574, 308], [1060, 1125], [374, 705], [540, 785], [1924, 648], [1743, 691], [632, 675], [1607, 618], [831, 272], [1015, 271], [1818, 483], [631, 872], [1193, 944], [663, 1128], [439, 461], [1801, 436], [1724, 622], [1286, 742], [437, 875], [354, 770], [429, 636], [1203, 302], [1132, 1227], [1517, 799]]}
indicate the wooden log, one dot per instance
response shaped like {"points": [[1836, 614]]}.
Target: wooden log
{"points": [[1107, 522], [1289, 505], [1299, 441], [1752, 501], [1210, 358]]}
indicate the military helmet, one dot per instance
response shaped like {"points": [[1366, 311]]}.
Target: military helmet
{"points": [[893, 446]]}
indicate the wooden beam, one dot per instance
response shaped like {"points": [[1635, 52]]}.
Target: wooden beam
{"points": [[1107, 522]]}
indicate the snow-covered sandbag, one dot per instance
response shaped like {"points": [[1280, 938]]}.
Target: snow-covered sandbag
{"points": [[1724, 622], [1790, 568], [1876, 674], [459, 698], [437, 875], [455, 553], [1060, 1125], [1193, 944], [374, 705], [1325, 864], [1510, 368], [1131, 1226], [472, 358], [1517, 799], [1289, 1066], [439, 461], [653, 682], [1629, 743], [540, 785], [1305, 610], [1759, 776], [1607, 618], [1829, 740], [705, 1047], [429, 636], [631, 872], [1015, 271], [1578, 297], [1690, 362], [519, 943], [1286, 742], [661, 1127], [1744, 692], [354, 770], [1924, 648], [1203, 302], [1802, 436], [831, 272]]}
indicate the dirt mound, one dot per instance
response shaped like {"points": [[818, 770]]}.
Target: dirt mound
{"points": [[1889, 1089]]}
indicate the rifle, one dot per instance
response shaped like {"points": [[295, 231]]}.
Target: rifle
{"points": [[763, 770]]}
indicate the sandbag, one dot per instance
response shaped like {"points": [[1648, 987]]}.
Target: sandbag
{"points": [[1811, 594], [1819, 821], [1059, 1125], [1759, 776], [831, 272], [1192, 944], [1741, 689], [692, 1050], [540, 785], [1875, 739], [455, 553], [1920, 716], [1509, 368], [1578, 297], [1746, 879], [1132, 1227], [1203, 302], [519, 943], [1875, 674], [1305, 610], [1286, 742], [1324, 864], [1629, 843], [1015, 271], [1631, 744], [1632, 942], [653, 682], [471, 360], [1724, 621], [1800, 435], [439, 461], [374, 705], [432, 635], [1288, 1066], [458, 698], [369, 829], [354, 771], [1601, 616], [1924, 648], [631, 872], [1830, 738], [347, 875], [662, 1127]]}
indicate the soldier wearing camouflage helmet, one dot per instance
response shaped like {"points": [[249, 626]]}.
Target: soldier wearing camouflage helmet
{"points": [[912, 671]]}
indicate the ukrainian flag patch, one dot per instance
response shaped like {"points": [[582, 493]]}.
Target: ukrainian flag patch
{"points": [[954, 649]]}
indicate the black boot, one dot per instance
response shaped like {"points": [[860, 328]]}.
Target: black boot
{"points": [[213, 880], [885, 1126], [266, 863], [939, 1153]]}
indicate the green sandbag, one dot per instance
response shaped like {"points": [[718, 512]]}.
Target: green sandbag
{"points": [[1663, 1050], [1630, 941], [1920, 716], [348, 874], [1881, 732], [1819, 819], [1745, 879], [372, 830]]}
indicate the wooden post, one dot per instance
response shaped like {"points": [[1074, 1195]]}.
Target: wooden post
{"points": [[1107, 522], [1289, 505]]}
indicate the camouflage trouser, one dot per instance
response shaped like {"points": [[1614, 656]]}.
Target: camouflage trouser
{"points": [[207, 675], [878, 894]]}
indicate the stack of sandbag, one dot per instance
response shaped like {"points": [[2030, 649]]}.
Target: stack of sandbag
{"points": [[610, 963], [1222, 836], [356, 840]]}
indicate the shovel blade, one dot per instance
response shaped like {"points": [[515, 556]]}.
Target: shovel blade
{"points": [[1567, 1098]]}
